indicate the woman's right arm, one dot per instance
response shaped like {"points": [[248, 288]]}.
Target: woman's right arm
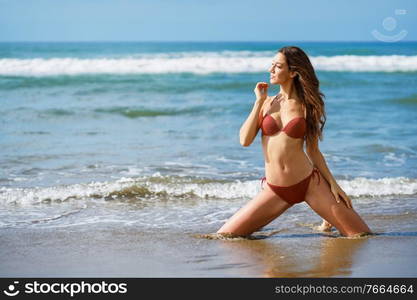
{"points": [[250, 127]]}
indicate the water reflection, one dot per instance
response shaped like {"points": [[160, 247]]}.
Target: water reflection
{"points": [[296, 255]]}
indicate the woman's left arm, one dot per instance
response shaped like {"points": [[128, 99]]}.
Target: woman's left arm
{"points": [[318, 160]]}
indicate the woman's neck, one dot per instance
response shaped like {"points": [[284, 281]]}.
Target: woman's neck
{"points": [[286, 89]]}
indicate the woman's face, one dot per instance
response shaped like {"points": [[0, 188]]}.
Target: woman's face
{"points": [[279, 72]]}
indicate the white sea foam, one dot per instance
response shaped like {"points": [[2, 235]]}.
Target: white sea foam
{"points": [[28, 196], [359, 186], [372, 63], [197, 63], [392, 160]]}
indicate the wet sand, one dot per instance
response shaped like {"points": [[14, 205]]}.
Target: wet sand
{"points": [[125, 251]]}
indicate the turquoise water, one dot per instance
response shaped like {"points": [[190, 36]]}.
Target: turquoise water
{"points": [[85, 123]]}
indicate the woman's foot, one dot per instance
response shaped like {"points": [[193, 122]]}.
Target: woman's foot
{"points": [[325, 226]]}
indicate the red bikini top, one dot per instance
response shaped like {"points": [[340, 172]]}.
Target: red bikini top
{"points": [[296, 128]]}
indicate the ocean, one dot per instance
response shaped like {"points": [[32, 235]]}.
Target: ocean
{"points": [[144, 136]]}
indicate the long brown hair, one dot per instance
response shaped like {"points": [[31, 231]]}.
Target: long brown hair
{"points": [[307, 87]]}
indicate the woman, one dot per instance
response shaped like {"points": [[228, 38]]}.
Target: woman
{"points": [[295, 115]]}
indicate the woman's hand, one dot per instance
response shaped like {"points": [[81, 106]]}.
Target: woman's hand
{"points": [[261, 91], [340, 195]]}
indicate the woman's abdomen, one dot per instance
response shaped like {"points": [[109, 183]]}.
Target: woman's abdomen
{"points": [[286, 168]]}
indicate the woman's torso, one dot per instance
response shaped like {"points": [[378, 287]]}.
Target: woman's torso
{"points": [[285, 160]]}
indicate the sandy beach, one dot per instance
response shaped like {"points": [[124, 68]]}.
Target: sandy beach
{"points": [[110, 251]]}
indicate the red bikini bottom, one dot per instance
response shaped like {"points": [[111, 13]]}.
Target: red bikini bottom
{"points": [[294, 193]]}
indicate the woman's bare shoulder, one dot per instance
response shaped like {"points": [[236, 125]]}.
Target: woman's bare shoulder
{"points": [[267, 102], [268, 99]]}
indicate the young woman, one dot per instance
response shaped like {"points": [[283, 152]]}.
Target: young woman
{"points": [[295, 115]]}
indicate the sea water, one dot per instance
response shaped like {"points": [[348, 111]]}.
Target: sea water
{"points": [[147, 134]]}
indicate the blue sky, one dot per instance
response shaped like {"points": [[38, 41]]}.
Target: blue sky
{"points": [[208, 20]]}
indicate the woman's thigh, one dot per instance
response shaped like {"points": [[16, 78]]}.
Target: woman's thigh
{"points": [[320, 198], [258, 212]]}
